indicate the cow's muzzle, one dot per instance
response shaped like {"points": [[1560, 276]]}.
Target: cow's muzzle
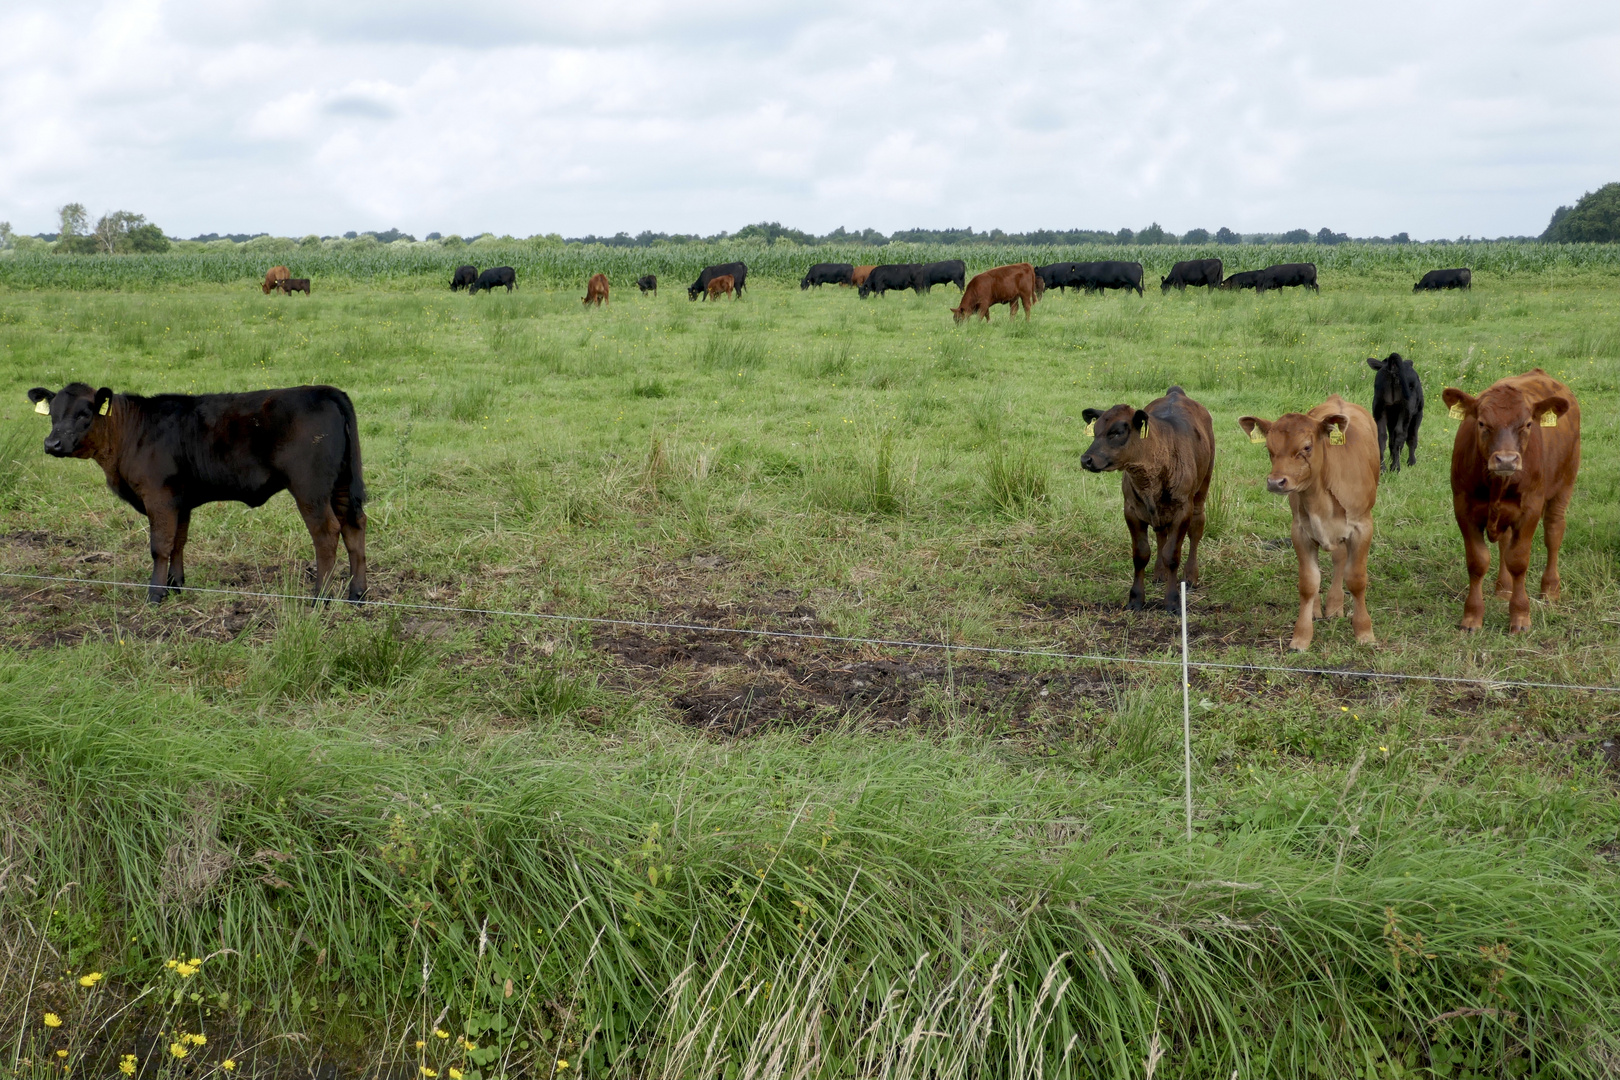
{"points": [[1505, 464], [1089, 463], [54, 447], [1277, 485]]}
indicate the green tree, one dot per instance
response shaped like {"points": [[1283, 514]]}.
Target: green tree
{"points": [[1196, 236], [1223, 235], [1326, 235], [148, 239], [5, 235], [75, 219], [1595, 219], [1124, 236], [1297, 236], [1154, 234]]}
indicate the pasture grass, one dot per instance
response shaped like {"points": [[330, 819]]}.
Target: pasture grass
{"points": [[658, 853]]}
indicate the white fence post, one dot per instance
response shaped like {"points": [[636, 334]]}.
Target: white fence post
{"points": [[1186, 712]]}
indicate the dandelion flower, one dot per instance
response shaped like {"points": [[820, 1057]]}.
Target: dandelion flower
{"points": [[441, 1033], [52, 1020], [429, 1073], [1383, 749], [228, 1065], [178, 1049], [561, 1064], [90, 979], [127, 1065], [456, 1074], [420, 1044], [468, 1044], [198, 1039], [61, 1053]]}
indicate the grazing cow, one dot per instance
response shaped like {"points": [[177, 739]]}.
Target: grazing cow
{"points": [[1060, 276], [1165, 455], [168, 454], [1192, 272], [1326, 462], [1397, 407], [860, 274], [463, 277], [274, 277], [1008, 285], [1244, 279], [738, 272], [827, 274], [1098, 276], [596, 290], [945, 272], [1460, 278], [882, 279], [494, 277], [1514, 463], [1287, 276], [721, 286], [295, 284], [647, 283]]}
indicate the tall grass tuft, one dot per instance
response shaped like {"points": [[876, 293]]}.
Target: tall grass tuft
{"points": [[1016, 479], [17, 446]]}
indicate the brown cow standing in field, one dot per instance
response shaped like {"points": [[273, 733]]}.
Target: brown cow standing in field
{"points": [[721, 286], [596, 290], [860, 275], [1326, 462], [274, 277], [1003, 285], [294, 284], [1513, 464], [1165, 455]]}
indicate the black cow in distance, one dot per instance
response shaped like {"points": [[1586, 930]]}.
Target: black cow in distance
{"points": [[1192, 272], [828, 274], [944, 272], [1397, 408], [647, 283], [493, 278], [738, 272], [1287, 276], [1460, 278], [463, 277], [884, 279]]}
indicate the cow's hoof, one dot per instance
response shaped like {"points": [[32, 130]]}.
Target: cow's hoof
{"points": [[1300, 646], [1468, 628], [155, 594], [356, 596], [1366, 639]]}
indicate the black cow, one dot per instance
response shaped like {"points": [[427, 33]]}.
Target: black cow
{"points": [[1397, 408], [1244, 279], [492, 278], [168, 454], [463, 277], [1287, 276], [882, 279], [828, 274], [1060, 276], [1098, 276], [737, 271], [1460, 278], [1192, 272], [647, 283], [945, 272]]}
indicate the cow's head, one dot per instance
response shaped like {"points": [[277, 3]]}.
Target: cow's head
{"points": [[1114, 430], [1293, 441], [865, 289], [73, 410], [1401, 378], [1164, 284], [1040, 286], [1502, 420]]}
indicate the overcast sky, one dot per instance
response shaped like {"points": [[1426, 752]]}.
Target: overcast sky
{"points": [[300, 116]]}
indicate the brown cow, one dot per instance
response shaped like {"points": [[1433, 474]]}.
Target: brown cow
{"points": [[1165, 455], [1326, 462], [596, 290], [294, 284], [1513, 465], [860, 275], [274, 277], [721, 286], [1003, 285]]}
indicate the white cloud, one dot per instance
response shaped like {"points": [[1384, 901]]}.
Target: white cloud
{"points": [[308, 116]]}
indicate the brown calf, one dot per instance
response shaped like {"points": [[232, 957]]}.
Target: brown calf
{"points": [[596, 290], [1165, 455], [274, 277], [294, 284], [1326, 462], [721, 286], [860, 275], [1004, 285], [1513, 464]]}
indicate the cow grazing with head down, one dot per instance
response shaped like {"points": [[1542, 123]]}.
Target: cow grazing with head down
{"points": [[944, 272], [721, 286], [596, 290], [1165, 455], [1192, 272], [1011, 285], [1326, 462], [1397, 407], [1287, 276], [647, 283], [1460, 278], [1513, 466], [494, 278], [738, 272], [169, 454], [294, 284], [884, 279], [1060, 276], [1110, 274], [274, 277], [827, 274], [1243, 279], [463, 277], [859, 275]]}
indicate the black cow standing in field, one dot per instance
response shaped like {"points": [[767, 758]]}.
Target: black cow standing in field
{"points": [[647, 283], [168, 454], [1460, 278], [1098, 276], [463, 277], [1060, 276], [883, 279], [493, 278], [944, 272], [1287, 276], [738, 272], [1397, 408], [1243, 279], [1192, 272], [828, 274]]}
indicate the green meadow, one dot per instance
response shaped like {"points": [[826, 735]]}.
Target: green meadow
{"points": [[421, 842]]}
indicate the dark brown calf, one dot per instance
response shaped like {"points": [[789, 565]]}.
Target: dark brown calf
{"points": [[1165, 455], [168, 454], [1008, 285], [295, 284], [721, 286]]}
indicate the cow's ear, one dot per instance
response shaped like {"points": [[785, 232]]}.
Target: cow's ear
{"points": [[1255, 428], [103, 396], [1375, 363], [1458, 402], [1140, 423], [1557, 405], [1088, 415], [1333, 427], [39, 394]]}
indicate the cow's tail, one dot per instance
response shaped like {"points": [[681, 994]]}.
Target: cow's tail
{"points": [[349, 468]]}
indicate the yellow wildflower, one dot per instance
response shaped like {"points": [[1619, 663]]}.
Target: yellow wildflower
{"points": [[198, 1039], [468, 1044], [90, 979], [456, 1074], [228, 1065], [429, 1073], [127, 1065], [561, 1064], [441, 1033], [420, 1044], [52, 1020], [61, 1053], [178, 1049]]}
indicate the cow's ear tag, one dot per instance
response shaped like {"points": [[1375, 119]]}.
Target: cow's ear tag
{"points": [[43, 408], [105, 405], [1144, 429], [1091, 428], [1456, 412], [1255, 436], [1336, 436], [1549, 419]]}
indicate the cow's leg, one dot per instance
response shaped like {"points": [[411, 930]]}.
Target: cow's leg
{"points": [[1383, 437], [323, 530], [1195, 533], [1335, 595], [1478, 554], [1552, 534], [1170, 562], [1517, 559], [1140, 553], [1359, 545], [1310, 586], [1411, 440], [1028, 303], [1504, 577], [354, 539], [177, 556], [163, 520]]}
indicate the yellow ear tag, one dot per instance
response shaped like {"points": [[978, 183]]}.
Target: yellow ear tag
{"points": [[1091, 429], [1255, 436], [1144, 429], [1335, 436], [1456, 412], [43, 408], [1549, 419], [105, 405]]}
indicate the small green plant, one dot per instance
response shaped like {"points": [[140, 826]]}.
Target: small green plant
{"points": [[1015, 479]]}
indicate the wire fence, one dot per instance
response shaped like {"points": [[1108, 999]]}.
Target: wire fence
{"points": [[889, 643]]}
